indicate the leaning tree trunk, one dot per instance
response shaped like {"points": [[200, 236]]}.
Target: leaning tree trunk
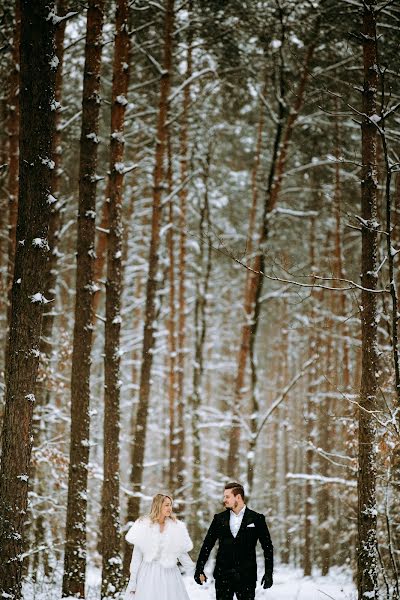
{"points": [[367, 515], [37, 77], [151, 287], [75, 545], [111, 538], [253, 287]]}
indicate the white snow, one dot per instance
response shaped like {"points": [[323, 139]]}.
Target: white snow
{"points": [[45, 160], [51, 199], [40, 243], [93, 136], [38, 297], [54, 62], [289, 584], [121, 100], [119, 167], [275, 44]]}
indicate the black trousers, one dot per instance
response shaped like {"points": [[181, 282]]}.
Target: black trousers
{"points": [[225, 589]]}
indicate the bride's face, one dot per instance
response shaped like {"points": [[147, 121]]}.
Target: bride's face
{"points": [[166, 508]]}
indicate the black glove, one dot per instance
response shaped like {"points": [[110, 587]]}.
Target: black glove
{"points": [[197, 577], [266, 580]]}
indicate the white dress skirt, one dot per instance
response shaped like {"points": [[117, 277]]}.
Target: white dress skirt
{"points": [[152, 581]]}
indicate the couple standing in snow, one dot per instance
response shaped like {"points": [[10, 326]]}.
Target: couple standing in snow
{"points": [[160, 541]]}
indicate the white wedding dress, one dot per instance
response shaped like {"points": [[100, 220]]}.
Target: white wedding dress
{"points": [[153, 581]]}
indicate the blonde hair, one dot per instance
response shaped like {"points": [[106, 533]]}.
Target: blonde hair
{"points": [[156, 506]]}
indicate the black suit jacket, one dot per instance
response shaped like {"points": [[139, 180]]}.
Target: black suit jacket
{"points": [[236, 557]]}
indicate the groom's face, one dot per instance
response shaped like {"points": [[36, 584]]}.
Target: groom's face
{"points": [[230, 500]]}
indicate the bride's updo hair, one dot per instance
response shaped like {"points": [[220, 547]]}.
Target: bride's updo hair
{"points": [[156, 505]]}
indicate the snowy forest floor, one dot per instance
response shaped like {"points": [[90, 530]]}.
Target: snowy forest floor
{"points": [[289, 584]]}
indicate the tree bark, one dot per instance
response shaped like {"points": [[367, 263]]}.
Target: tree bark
{"points": [[13, 146], [37, 83], [111, 538], [367, 510], [43, 387], [75, 545], [184, 159], [200, 331], [171, 326], [151, 287]]}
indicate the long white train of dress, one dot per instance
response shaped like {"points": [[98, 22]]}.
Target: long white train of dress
{"points": [[152, 581]]}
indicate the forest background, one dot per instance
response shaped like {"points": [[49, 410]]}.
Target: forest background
{"points": [[199, 230]]}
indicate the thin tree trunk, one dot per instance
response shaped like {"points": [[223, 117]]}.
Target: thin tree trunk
{"points": [[325, 434], [151, 287], [75, 545], [13, 145], [171, 329], [200, 329], [184, 159], [111, 538], [338, 254], [254, 406], [367, 513], [310, 421], [37, 83]]}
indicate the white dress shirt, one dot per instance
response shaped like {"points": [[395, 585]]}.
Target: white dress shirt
{"points": [[235, 521]]}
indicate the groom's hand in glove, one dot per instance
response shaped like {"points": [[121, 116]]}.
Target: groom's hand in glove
{"points": [[266, 580], [200, 578]]}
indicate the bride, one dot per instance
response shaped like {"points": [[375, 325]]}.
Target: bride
{"points": [[160, 541]]}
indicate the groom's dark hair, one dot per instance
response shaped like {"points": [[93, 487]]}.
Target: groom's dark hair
{"points": [[237, 489]]}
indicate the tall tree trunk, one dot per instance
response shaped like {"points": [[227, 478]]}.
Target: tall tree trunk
{"points": [[13, 145], [367, 512], [151, 287], [200, 330], [46, 343], [75, 545], [37, 82], [285, 552], [184, 159], [171, 328], [254, 407], [325, 436], [310, 421], [338, 254], [111, 538]]}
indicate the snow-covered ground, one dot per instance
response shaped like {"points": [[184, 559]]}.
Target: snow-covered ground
{"points": [[289, 584]]}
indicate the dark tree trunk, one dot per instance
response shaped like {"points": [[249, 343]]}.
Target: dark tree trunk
{"points": [[75, 545], [111, 538], [367, 512], [43, 387], [150, 308], [13, 145], [37, 84]]}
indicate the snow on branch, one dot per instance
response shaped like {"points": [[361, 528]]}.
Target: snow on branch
{"points": [[324, 480]]}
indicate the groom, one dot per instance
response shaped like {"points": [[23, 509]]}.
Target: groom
{"points": [[237, 530]]}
